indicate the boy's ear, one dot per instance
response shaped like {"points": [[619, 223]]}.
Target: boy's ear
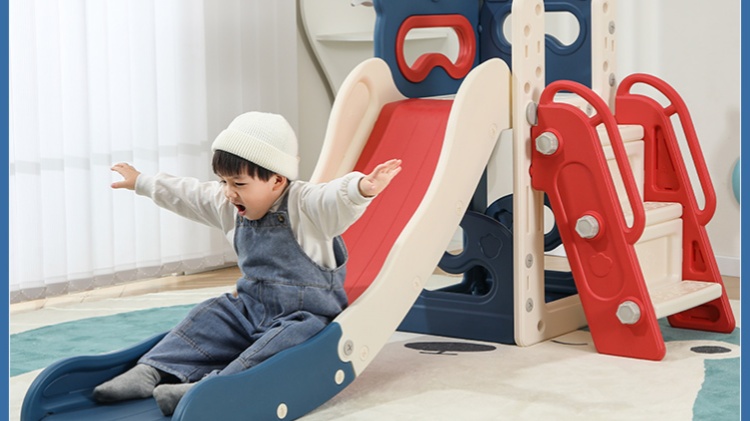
{"points": [[279, 181]]}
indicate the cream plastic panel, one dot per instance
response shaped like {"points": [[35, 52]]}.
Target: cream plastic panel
{"points": [[473, 128], [534, 320], [634, 151], [603, 50], [659, 253], [367, 89]]}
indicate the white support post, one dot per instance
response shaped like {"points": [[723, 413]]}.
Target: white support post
{"points": [[534, 320], [603, 54]]}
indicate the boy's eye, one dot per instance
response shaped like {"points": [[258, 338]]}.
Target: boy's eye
{"points": [[239, 184]]}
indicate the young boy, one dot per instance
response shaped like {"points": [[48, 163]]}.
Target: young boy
{"points": [[287, 237]]}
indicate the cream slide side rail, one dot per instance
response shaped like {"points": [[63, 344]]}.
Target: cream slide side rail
{"points": [[473, 127]]}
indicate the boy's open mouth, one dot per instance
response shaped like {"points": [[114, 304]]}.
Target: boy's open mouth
{"points": [[240, 208]]}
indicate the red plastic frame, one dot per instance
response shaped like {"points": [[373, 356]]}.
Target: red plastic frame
{"points": [[677, 106], [422, 66], [667, 180], [578, 182], [632, 233]]}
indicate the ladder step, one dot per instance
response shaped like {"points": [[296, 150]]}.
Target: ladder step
{"points": [[680, 296], [657, 212], [628, 133]]}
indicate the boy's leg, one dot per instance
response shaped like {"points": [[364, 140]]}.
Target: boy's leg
{"points": [[286, 334], [213, 334], [136, 383], [168, 396]]}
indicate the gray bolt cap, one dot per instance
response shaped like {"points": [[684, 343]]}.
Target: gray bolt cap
{"points": [[587, 226], [547, 143], [628, 313]]}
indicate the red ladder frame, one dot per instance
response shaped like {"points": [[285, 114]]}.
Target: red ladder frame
{"points": [[666, 180], [578, 182]]}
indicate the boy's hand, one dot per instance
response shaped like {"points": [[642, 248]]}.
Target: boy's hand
{"points": [[129, 174], [375, 182]]}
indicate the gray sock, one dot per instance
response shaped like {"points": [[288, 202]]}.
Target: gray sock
{"points": [[136, 383], [168, 396]]}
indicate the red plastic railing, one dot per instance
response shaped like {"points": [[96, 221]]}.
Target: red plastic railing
{"points": [[603, 115], [677, 106]]}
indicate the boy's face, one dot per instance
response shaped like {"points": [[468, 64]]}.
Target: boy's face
{"points": [[252, 196]]}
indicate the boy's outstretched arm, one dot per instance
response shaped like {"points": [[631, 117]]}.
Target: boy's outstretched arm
{"points": [[375, 182], [129, 175]]}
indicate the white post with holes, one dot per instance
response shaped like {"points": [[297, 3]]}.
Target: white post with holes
{"points": [[534, 320], [603, 56]]}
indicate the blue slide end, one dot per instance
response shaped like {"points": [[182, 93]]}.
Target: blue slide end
{"points": [[286, 386], [63, 390]]}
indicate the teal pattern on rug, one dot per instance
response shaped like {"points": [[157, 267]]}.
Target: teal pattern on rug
{"points": [[719, 397], [38, 348]]}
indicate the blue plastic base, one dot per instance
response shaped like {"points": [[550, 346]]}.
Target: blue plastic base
{"points": [[64, 389], [481, 307], [301, 378], [558, 285], [136, 410]]}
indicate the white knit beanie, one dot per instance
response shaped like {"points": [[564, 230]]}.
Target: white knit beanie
{"points": [[264, 139]]}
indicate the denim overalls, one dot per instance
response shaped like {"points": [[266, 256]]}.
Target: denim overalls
{"points": [[284, 298]]}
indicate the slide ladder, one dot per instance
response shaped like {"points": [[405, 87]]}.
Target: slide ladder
{"points": [[633, 260], [666, 180]]}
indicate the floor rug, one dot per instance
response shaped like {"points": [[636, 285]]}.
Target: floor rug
{"points": [[561, 379], [37, 348], [437, 378]]}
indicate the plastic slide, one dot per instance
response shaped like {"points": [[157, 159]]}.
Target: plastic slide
{"points": [[445, 145]]}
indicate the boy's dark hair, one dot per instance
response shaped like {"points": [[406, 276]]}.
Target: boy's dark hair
{"points": [[227, 164]]}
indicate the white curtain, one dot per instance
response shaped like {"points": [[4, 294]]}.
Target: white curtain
{"points": [[149, 82]]}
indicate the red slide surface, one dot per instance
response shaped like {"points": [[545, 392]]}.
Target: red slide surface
{"points": [[411, 130]]}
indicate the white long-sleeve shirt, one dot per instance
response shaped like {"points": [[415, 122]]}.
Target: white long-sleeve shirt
{"points": [[317, 212]]}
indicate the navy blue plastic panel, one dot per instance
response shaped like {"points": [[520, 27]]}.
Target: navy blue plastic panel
{"points": [[391, 14], [63, 390], [302, 378], [556, 284], [562, 62], [492, 41], [502, 210], [481, 307], [134, 410]]}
